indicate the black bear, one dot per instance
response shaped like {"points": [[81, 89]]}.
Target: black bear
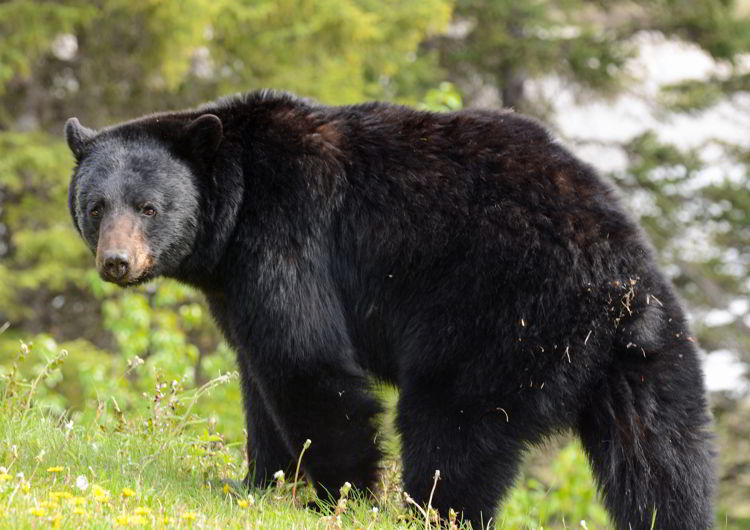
{"points": [[466, 257]]}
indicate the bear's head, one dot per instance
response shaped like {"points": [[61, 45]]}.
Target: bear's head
{"points": [[135, 195]]}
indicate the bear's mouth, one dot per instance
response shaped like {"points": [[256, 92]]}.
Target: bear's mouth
{"points": [[145, 277]]}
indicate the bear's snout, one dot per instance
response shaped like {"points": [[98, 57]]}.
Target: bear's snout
{"points": [[116, 266], [122, 254]]}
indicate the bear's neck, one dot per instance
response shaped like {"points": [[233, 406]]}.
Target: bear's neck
{"points": [[223, 193]]}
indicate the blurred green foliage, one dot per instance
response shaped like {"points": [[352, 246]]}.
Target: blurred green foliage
{"points": [[29, 28], [505, 43], [570, 495], [44, 253]]}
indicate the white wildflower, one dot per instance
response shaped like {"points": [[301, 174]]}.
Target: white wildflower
{"points": [[82, 483]]}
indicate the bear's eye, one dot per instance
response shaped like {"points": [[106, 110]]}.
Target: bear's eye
{"points": [[148, 210], [96, 211]]}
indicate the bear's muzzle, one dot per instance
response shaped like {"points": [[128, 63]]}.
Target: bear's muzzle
{"points": [[122, 253]]}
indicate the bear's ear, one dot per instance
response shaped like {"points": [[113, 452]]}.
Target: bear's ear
{"points": [[203, 135], [77, 136]]}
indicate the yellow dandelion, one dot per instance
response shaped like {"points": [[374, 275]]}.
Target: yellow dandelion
{"points": [[54, 469], [122, 520], [189, 516], [141, 510], [79, 511], [25, 487], [56, 521], [226, 487], [37, 511], [127, 492], [57, 495], [4, 477], [78, 501], [99, 493], [138, 519], [49, 504], [242, 503]]}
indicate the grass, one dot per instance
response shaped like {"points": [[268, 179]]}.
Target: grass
{"points": [[165, 469], [85, 476], [59, 475]]}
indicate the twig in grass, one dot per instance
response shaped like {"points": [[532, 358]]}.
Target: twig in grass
{"points": [[305, 447], [452, 516], [13, 494], [429, 501], [207, 387], [38, 459], [411, 501], [53, 363], [424, 512], [133, 364], [334, 520], [121, 422], [183, 421]]}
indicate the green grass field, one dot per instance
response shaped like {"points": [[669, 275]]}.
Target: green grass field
{"points": [[162, 466]]}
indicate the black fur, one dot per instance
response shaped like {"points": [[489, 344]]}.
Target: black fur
{"points": [[466, 257]]}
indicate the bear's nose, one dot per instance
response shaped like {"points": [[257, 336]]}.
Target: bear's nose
{"points": [[116, 265]]}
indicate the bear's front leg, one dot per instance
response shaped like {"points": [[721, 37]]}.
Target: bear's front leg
{"points": [[330, 405], [301, 357], [267, 452]]}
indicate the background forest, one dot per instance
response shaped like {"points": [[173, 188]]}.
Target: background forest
{"points": [[655, 93]]}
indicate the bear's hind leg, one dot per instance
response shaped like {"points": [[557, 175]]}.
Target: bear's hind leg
{"points": [[646, 432], [477, 456]]}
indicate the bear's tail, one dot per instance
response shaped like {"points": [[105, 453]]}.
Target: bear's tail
{"points": [[647, 429]]}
